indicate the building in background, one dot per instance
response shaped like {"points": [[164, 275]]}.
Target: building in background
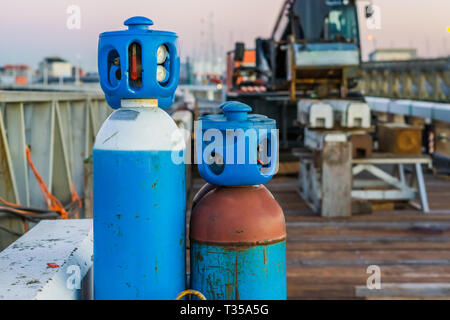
{"points": [[80, 71], [55, 67], [12, 74], [209, 71], [390, 54]]}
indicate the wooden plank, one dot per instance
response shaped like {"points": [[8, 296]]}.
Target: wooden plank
{"points": [[381, 216], [425, 225], [318, 291], [369, 257], [367, 245], [406, 290], [352, 234], [336, 179], [357, 275]]}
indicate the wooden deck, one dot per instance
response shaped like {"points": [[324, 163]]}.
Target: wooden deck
{"points": [[327, 258]]}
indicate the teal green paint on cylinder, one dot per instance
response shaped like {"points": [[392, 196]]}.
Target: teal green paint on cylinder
{"points": [[239, 272]]}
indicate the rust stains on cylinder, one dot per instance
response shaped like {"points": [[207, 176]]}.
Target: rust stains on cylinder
{"points": [[237, 215]]}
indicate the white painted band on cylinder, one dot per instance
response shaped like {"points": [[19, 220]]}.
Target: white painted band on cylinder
{"points": [[146, 129], [139, 103]]}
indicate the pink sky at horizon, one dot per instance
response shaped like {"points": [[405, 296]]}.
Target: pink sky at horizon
{"points": [[31, 29]]}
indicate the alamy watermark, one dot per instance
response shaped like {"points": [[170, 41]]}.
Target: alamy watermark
{"points": [[374, 17], [228, 146], [374, 280], [73, 281], [73, 21]]}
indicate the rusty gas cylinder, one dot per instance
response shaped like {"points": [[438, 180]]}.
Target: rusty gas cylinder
{"points": [[238, 244], [237, 228]]}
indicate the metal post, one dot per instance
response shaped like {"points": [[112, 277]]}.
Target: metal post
{"points": [[422, 190], [401, 172]]}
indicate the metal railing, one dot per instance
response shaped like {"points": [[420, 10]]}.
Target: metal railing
{"points": [[423, 79], [59, 128]]}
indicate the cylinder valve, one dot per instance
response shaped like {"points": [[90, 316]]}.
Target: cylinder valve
{"points": [[139, 63], [235, 147]]}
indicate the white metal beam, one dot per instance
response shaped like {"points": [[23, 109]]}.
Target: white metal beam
{"points": [[49, 262]]}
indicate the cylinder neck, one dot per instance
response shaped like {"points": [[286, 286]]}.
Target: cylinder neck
{"points": [[139, 103]]}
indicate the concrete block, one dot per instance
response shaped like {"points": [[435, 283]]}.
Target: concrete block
{"points": [[50, 262]]}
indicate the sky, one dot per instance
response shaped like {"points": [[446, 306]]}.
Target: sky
{"points": [[33, 29]]}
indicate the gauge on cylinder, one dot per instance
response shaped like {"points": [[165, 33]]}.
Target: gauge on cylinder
{"points": [[263, 153], [216, 161], [161, 54], [161, 74]]}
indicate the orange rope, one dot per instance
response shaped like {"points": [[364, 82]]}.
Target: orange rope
{"points": [[52, 202], [9, 203], [76, 198], [10, 207], [17, 210]]}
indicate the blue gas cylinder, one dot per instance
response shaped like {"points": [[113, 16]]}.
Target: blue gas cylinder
{"points": [[237, 228], [139, 175]]}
